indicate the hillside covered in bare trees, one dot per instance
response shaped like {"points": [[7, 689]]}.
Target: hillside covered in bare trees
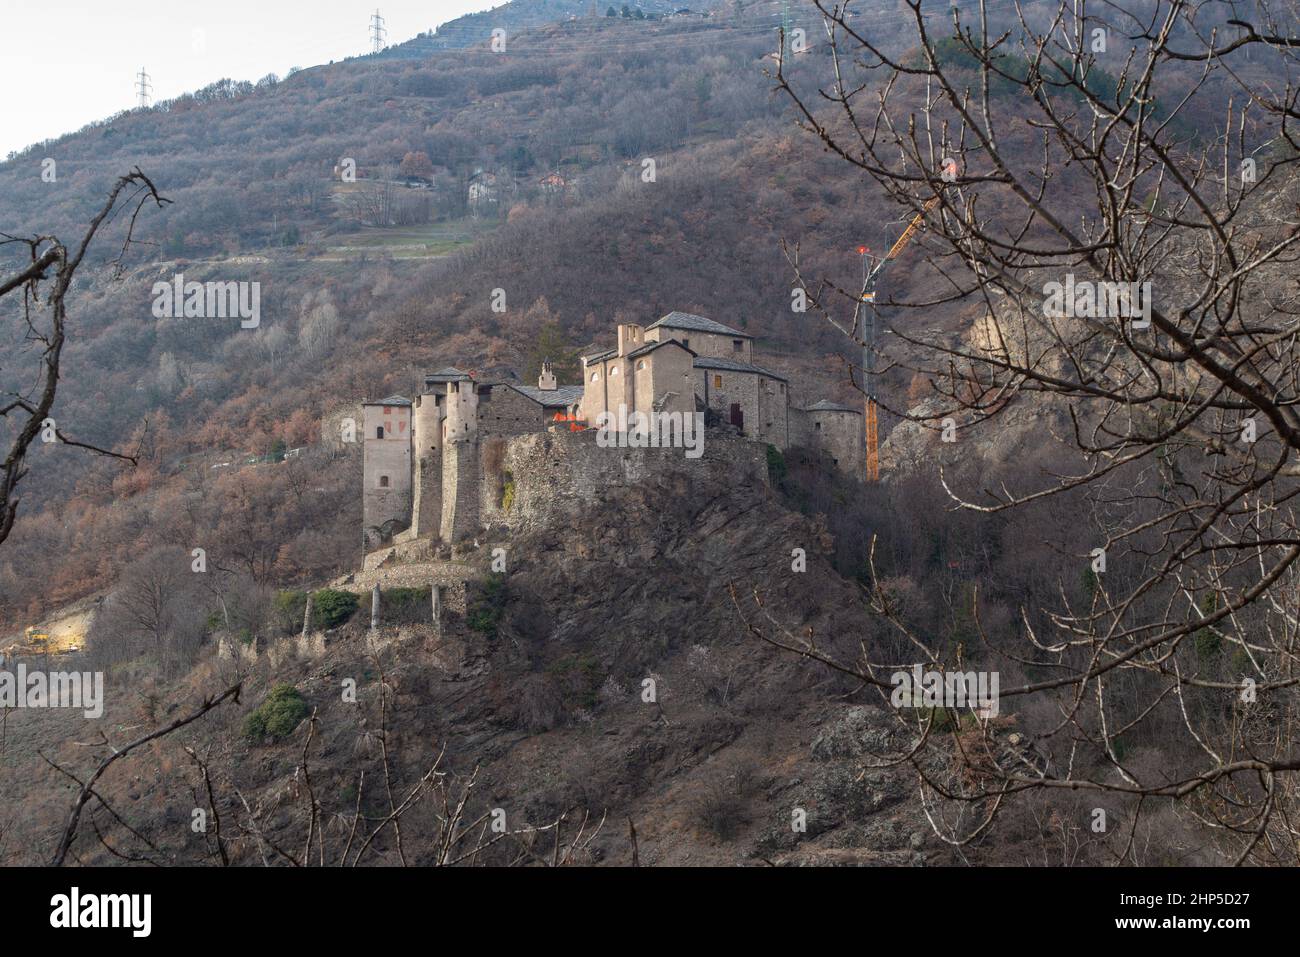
{"points": [[1084, 365]]}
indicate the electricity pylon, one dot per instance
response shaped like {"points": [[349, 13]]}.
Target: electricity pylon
{"points": [[142, 89]]}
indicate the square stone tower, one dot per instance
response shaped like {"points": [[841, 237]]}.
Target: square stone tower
{"points": [[386, 468]]}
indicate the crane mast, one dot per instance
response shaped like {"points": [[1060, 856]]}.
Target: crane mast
{"points": [[869, 280]]}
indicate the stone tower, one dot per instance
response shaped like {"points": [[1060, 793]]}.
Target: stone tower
{"points": [[460, 462], [386, 468], [426, 442]]}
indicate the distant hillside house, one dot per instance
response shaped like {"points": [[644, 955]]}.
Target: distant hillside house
{"points": [[482, 188], [553, 183]]}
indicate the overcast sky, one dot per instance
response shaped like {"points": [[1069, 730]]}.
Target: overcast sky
{"points": [[64, 64]]}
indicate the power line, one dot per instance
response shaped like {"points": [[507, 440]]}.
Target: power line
{"points": [[377, 33], [142, 89]]}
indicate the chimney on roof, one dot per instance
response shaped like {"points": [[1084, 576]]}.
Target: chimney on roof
{"points": [[629, 337], [546, 381]]}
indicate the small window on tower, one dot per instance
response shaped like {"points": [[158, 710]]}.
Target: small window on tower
{"points": [[379, 432], [383, 481], [737, 345], [817, 426], [717, 382]]}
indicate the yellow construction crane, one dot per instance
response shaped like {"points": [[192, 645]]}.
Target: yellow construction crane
{"points": [[870, 276]]}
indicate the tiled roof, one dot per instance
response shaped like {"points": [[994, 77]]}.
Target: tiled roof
{"points": [[391, 400], [735, 365], [597, 356], [559, 397], [652, 346], [827, 406], [447, 374], [685, 320]]}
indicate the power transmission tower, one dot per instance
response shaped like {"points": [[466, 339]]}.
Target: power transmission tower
{"points": [[142, 89], [377, 33]]}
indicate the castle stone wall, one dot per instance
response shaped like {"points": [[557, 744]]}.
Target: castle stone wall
{"points": [[740, 388], [453, 577], [426, 507], [559, 472], [840, 434], [773, 412], [460, 490], [669, 371], [493, 476], [504, 411]]}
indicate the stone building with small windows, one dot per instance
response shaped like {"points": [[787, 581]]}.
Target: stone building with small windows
{"points": [[436, 467], [386, 463], [643, 373]]}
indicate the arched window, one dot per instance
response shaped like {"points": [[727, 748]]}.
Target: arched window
{"points": [[383, 481], [613, 372], [379, 432], [595, 377]]}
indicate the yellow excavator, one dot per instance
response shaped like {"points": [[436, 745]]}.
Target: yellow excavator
{"points": [[38, 642]]}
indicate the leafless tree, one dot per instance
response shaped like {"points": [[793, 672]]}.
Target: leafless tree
{"points": [[116, 753], [1096, 145], [157, 608], [44, 283]]}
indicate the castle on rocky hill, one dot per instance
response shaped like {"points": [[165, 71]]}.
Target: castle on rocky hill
{"points": [[439, 467]]}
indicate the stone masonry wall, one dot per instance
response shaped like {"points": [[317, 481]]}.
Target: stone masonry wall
{"points": [[460, 490], [554, 472], [505, 412], [842, 435], [426, 509], [454, 577]]}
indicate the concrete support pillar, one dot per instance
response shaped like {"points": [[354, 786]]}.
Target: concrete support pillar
{"points": [[374, 607], [306, 617], [436, 603]]}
